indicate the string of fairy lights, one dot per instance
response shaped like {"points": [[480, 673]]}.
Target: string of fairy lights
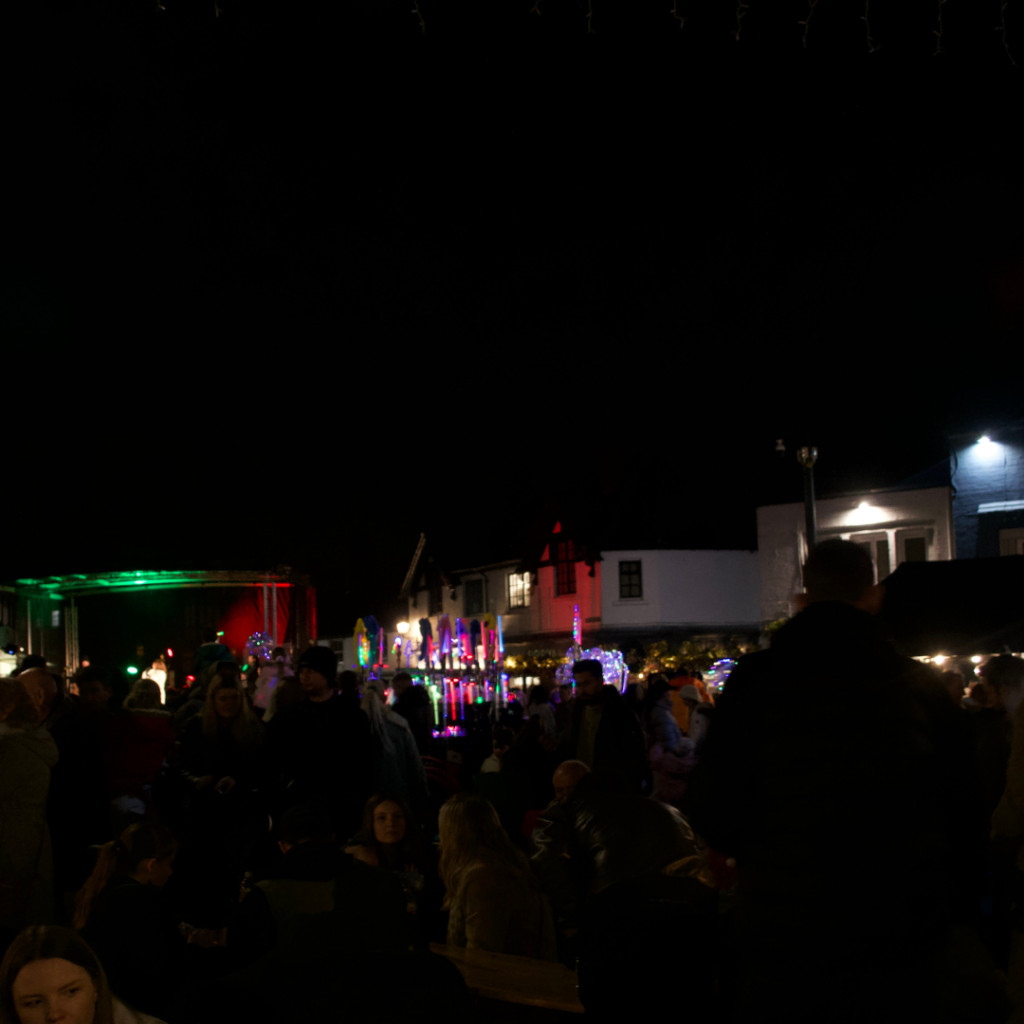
{"points": [[871, 43]]}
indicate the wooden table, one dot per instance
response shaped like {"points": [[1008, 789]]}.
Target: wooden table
{"points": [[515, 979]]}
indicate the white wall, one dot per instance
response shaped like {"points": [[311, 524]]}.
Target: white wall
{"points": [[893, 516], [684, 588]]}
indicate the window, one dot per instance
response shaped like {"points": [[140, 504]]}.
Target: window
{"points": [[564, 558], [434, 602], [877, 547], [1011, 542], [55, 618], [913, 545], [630, 583], [474, 593], [519, 590]]}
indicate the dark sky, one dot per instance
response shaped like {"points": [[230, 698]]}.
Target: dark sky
{"points": [[292, 287]]}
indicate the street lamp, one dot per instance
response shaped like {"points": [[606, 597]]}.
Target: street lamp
{"points": [[403, 628], [807, 457]]}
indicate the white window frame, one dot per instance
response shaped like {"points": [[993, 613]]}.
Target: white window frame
{"points": [[862, 536], [524, 579]]}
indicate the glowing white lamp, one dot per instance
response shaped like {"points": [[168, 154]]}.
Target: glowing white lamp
{"points": [[939, 659], [403, 628]]}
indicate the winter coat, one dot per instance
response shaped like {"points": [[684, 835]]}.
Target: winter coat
{"points": [[852, 809], [363, 906], [603, 836], [500, 912], [401, 771], [139, 743], [619, 746], [26, 857], [670, 756], [414, 707]]}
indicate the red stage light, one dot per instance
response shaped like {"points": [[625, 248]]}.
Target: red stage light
{"points": [[170, 653]]}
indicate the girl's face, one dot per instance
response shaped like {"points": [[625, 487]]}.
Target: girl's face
{"points": [[54, 990], [227, 702], [388, 823]]}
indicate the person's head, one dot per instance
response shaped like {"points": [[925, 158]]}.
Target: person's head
{"points": [[978, 694], [30, 661], [228, 669], [278, 652], [537, 694], [1003, 677], [839, 570], [17, 709], [304, 824], [318, 669], [401, 682], [953, 683], [51, 974], [145, 852], [93, 688], [503, 740], [159, 663], [659, 694], [144, 696], [226, 707], [470, 831], [589, 676], [565, 693], [42, 688], [210, 635], [567, 776], [690, 696]]}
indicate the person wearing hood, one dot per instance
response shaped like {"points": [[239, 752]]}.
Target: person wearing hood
{"points": [[27, 754], [858, 840], [397, 765]]}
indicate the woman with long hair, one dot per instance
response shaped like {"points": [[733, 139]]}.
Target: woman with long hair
{"points": [[391, 838], [494, 901], [50, 973], [27, 753], [121, 913], [670, 754]]}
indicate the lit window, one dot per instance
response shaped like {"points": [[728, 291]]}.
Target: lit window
{"points": [[55, 618], [630, 582], [519, 590]]}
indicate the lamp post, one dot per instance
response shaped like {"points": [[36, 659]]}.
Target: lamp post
{"points": [[807, 457]]}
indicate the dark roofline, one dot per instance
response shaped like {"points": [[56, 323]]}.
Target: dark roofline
{"points": [[853, 494], [1012, 427]]}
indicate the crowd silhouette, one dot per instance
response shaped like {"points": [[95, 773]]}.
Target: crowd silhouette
{"points": [[837, 836]]}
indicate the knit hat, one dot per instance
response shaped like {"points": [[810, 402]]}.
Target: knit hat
{"points": [[322, 660], [689, 692]]}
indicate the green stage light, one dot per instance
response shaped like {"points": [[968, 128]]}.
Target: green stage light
{"points": [[132, 670], [221, 633]]}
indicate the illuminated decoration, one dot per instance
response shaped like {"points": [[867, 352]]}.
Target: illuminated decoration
{"points": [[260, 645], [501, 642], [444, 636], [719, 672], [170, 653], [613, 666], [577, 626], [976, 659], [220, 633], [362, 642], [408, 652], [132, 670], [403, 628]]}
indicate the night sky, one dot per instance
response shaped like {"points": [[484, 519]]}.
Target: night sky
{"points": [[292, 285]]}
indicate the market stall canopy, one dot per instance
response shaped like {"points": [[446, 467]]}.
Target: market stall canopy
{"points": [[966, 607]]}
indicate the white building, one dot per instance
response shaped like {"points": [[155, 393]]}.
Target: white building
{"points": [[895, 526]]}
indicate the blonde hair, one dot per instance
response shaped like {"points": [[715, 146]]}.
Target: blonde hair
{"points": [[16, 704], [245, 727], [473, 833], [145, 696], [51, 942], [139, 842]]}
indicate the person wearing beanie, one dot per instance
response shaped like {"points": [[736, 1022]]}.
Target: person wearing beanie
{"points": [[320, 747]]}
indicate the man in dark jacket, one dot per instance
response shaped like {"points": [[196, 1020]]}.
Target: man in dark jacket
{"points": [[412, 702], [320, 748], [853, 815], [628, 875], [603, 733]]}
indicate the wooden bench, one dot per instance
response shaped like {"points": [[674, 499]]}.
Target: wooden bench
{"points": [[515, 979]]}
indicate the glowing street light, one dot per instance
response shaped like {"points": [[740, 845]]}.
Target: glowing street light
{"points": [[403, 628]]}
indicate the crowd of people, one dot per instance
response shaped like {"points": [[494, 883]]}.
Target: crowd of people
{"points": [[837, 836]]}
